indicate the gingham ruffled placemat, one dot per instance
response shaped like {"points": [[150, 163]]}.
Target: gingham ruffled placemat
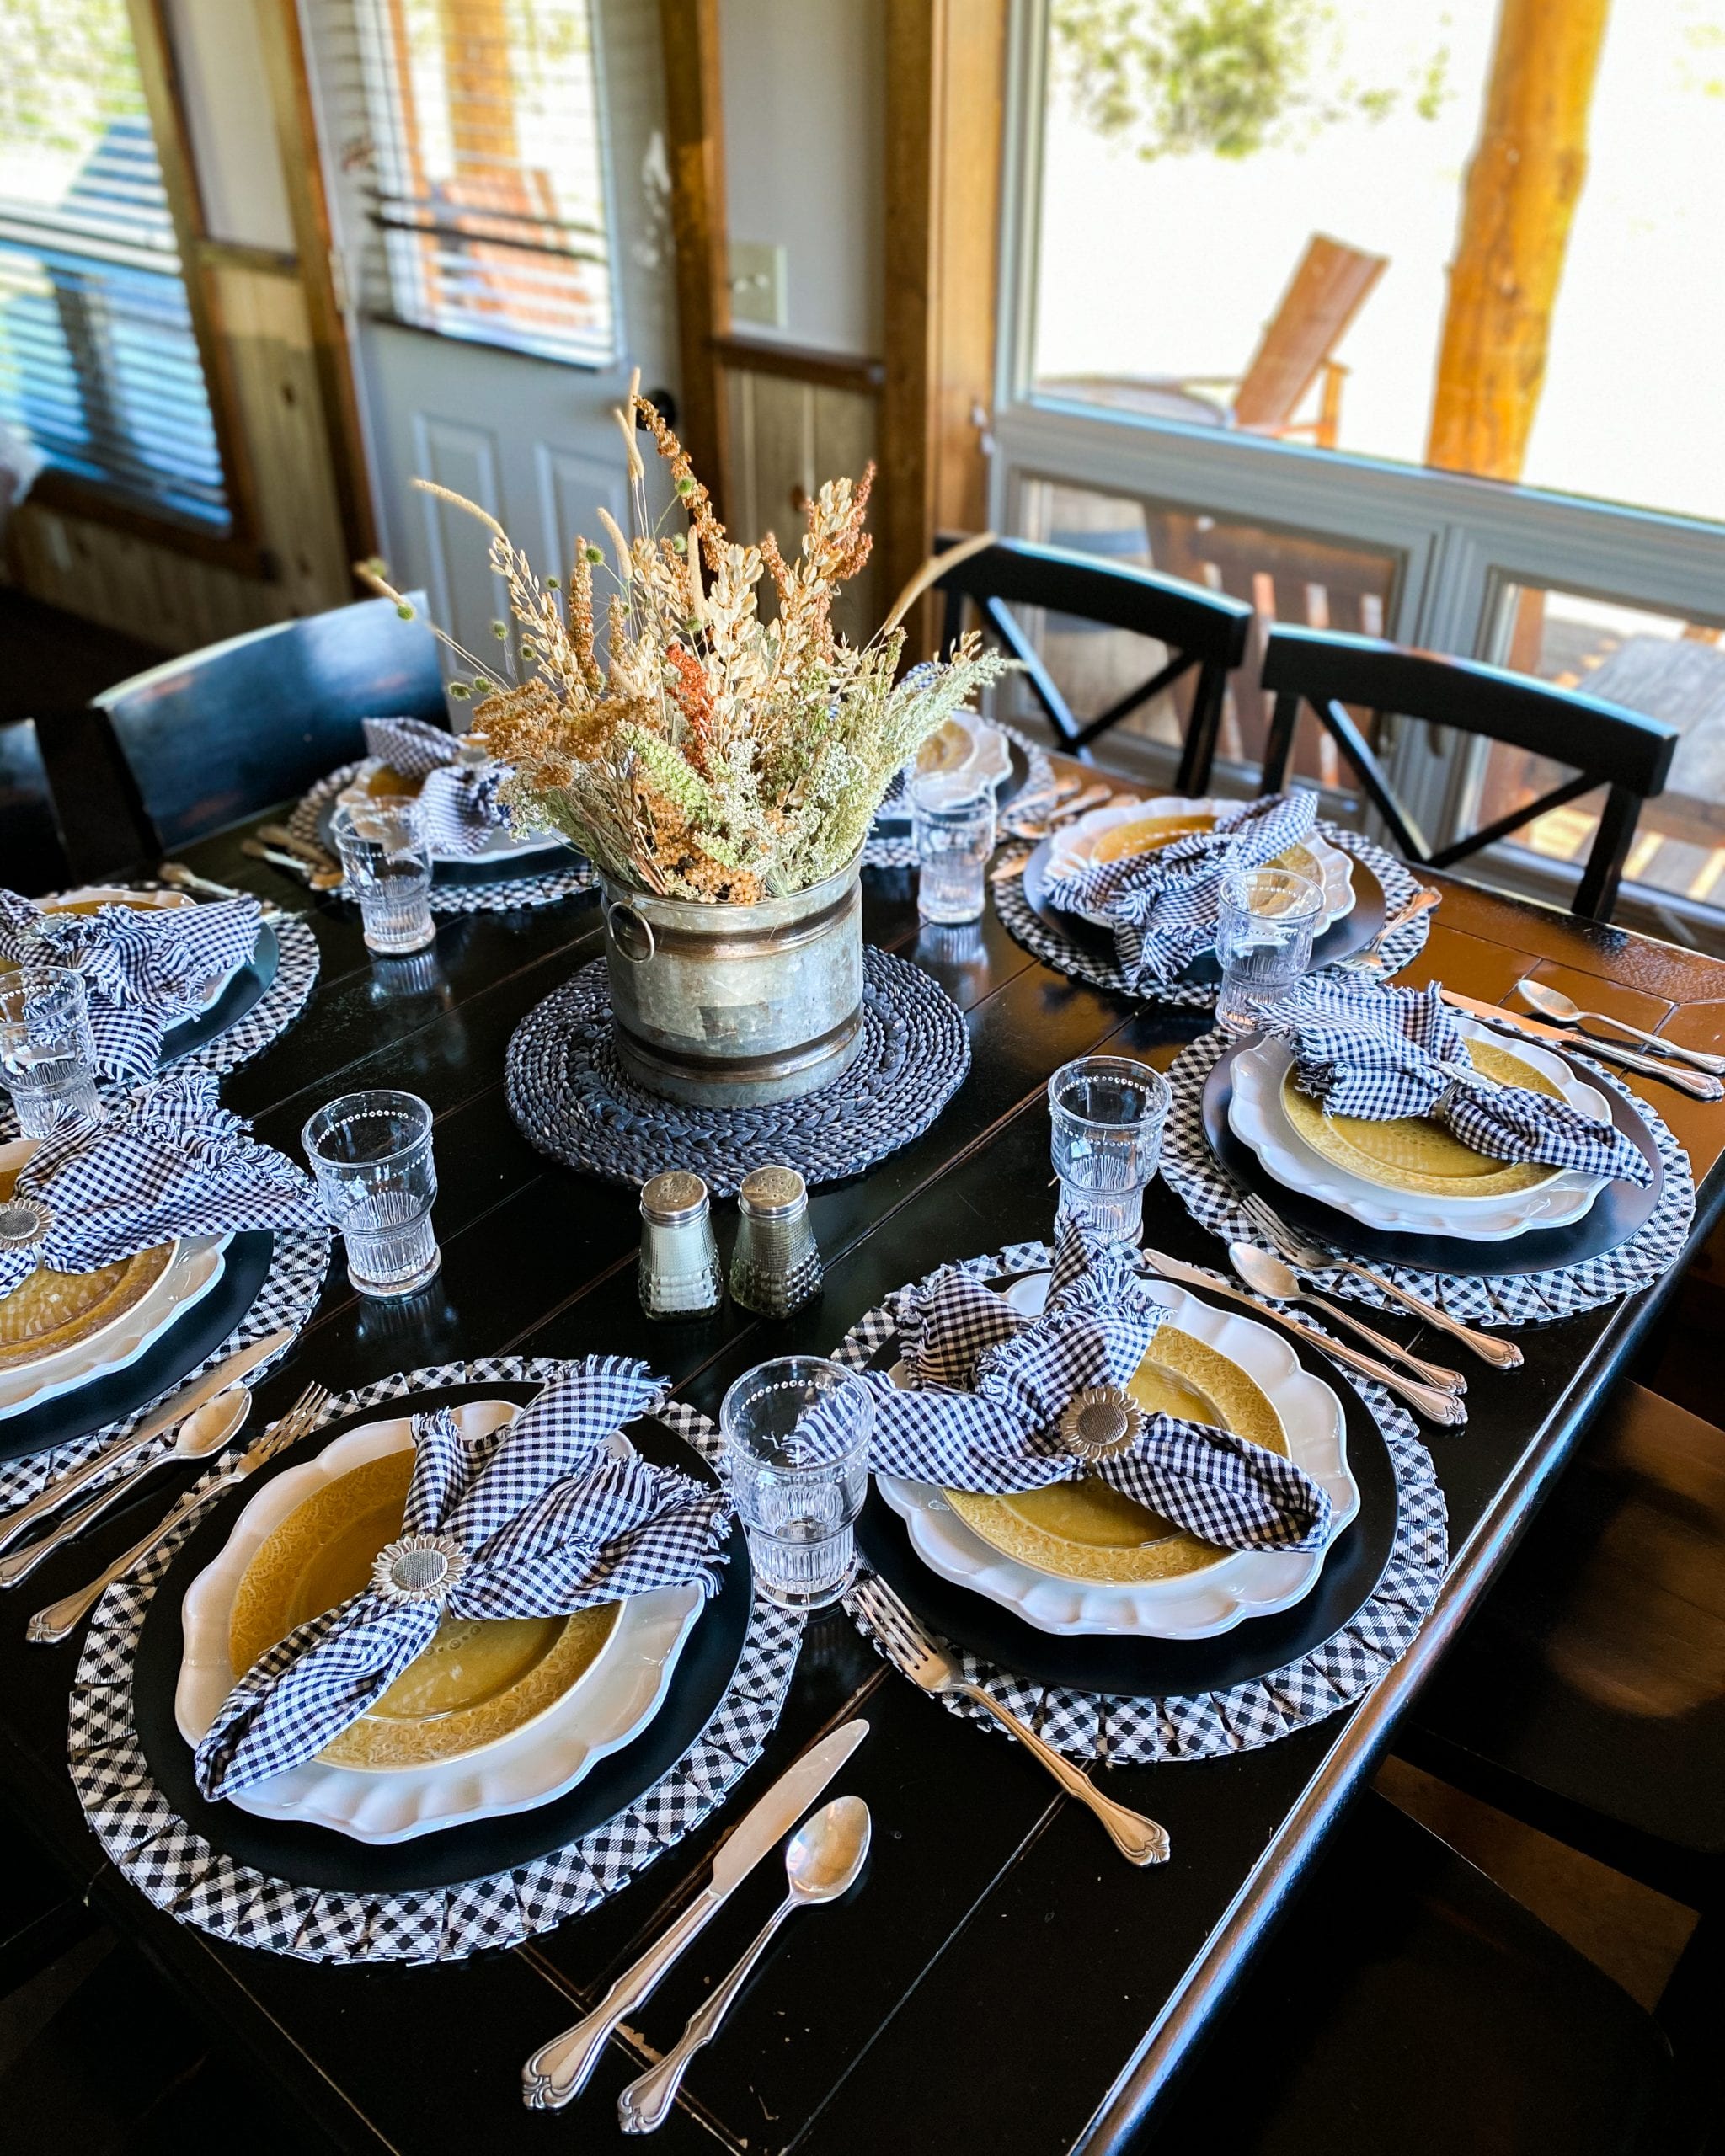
{"points": [[179, 1871], [890, 845], [290, 1289], [1205, 1724], [1027, 926], [572, 1099], [503, 896], [1210, 1194]]}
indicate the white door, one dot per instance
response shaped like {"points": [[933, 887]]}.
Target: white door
{"points": [[498, 177]]}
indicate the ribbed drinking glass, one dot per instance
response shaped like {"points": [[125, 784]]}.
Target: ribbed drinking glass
{"points": [[47, 1055], [1108, 1114], [798, 1507], [372, 1155], [387, 860]]}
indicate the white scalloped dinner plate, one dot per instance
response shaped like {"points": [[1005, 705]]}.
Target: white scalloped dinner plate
{"points": [[209, 992], [1073, 845], [989, 759], [1259, 1119], [612, 1701], [1242, 1583]]}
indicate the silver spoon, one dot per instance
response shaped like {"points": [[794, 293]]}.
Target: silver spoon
{"points": [[201, 1434], [1557, 1005], [822, 1860], [1269, 1275], [320, 879]]}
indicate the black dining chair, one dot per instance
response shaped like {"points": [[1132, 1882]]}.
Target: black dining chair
{"points": [[1625, 751], [1409, 2004], [231, 729], [1203, 633], [32, 852]]}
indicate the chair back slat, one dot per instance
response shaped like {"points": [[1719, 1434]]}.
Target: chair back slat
{"points": [[225, 731]]}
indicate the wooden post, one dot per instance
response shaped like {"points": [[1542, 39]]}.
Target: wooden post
{"points": [[1522, 188], [695, 127]]}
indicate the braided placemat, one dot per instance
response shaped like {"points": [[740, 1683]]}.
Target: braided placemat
{"points": [[503, 896], [572, 1100], [1211, 1196], [890, 845], [1027, 926], [1205, 1725], [180, 1872]]}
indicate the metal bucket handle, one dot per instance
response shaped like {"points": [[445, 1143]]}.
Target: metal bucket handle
{"points": [[642, 925]]}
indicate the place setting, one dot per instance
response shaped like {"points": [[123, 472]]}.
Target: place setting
{"points": [[969, 760], [103, 986]]}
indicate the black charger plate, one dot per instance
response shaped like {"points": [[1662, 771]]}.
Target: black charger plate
{"points": [[317, 1856], [1340, 940], [1620, 1211], [196, 1333], [1154, 1669], [248, 988], [551, 859]]}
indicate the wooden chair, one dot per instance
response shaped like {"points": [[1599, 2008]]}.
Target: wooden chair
{"points": [[1203, 633], [1408, 2005], [1625, 751], [225, 731]]}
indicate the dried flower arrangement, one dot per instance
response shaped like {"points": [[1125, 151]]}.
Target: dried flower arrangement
{"points": [[707, 753]]}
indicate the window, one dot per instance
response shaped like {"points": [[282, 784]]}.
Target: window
{"points": [[476, 123], [99, 363]]}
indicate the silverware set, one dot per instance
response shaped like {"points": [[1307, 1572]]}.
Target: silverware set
{"points": [[1550, 1003], [1071, 799], [309, 864]]}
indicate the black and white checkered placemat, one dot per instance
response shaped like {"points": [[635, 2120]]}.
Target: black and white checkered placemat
{"points": [[505, 895], [1025, 926], [291, 1287], [178, 1871], [1203, 1726], [889, 845], [1210, 1194], [572, 1100]]}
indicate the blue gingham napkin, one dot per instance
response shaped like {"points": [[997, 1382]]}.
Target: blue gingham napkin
{"points": [[1162, 906], [992, 1387], [457, 800], [543, 1517], [1377, 1052], [144, 968], [169, 1161]]}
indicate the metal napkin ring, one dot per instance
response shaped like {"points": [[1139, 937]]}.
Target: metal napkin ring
{"points": [[24, 1222], [1099, 1421], [417, 1568]]}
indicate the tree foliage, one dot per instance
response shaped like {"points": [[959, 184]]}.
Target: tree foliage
{"points": [[67, 68]]}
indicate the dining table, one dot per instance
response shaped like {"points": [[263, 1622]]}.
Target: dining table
{"points": [[999, 1979]]}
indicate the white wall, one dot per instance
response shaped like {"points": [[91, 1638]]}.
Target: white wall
{"points": [[228, 117], [805, 118]]}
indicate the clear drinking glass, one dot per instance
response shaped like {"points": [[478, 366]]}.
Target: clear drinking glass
{"points": [[47, 1054], [372, 1155], [1265, 923], [797, 1500], [1108, 1114], [953, 817], [387, 860]]}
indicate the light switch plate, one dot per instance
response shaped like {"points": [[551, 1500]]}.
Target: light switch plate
{"points": [[758, 283]]}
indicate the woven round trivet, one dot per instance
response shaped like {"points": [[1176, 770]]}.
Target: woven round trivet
{"points": [[147, 1841], [1202, 1725], [571, 1098], [1027, 926]]}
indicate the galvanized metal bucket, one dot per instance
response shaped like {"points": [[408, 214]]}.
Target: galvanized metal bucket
{"points": [[735, 1007]]}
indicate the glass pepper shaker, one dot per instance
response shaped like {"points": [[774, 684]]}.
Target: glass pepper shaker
{"points": [[776, 1267], [679, 1274]]}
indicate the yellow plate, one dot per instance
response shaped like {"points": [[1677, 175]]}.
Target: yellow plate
{"points": [[138, 901], [1088, 1530], [1410, 1152], [479, 1679], [385, 781], [947, 749], [1150, 834], [50, 1311]]}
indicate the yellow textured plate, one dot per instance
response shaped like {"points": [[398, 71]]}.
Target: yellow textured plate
{"points": [[50, 1311], [1149, 833], [1411, 1152], [478, 1680], [138, 901], [1086, 1530], [386, 780], [947, 749]]}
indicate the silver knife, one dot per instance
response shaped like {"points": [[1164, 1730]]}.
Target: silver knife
{"points": [[168, 1416], [1536, 1029], [558, 2071]]}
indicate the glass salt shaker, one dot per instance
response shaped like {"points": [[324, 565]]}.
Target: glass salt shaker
{"points": [[776, 1267], [679, 1274]]}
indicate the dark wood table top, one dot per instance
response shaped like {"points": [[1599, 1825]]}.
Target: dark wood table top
{"points": [[1002, 1980]]}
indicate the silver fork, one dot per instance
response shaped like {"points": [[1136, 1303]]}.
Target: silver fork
{"points": [[50, 1627], [1370, 957], [1139, 1840], [1306, 1257]]}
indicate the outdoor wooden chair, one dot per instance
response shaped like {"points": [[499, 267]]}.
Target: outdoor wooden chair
{"points": [[229, 730], [1203, 633], [1625, 751]]}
